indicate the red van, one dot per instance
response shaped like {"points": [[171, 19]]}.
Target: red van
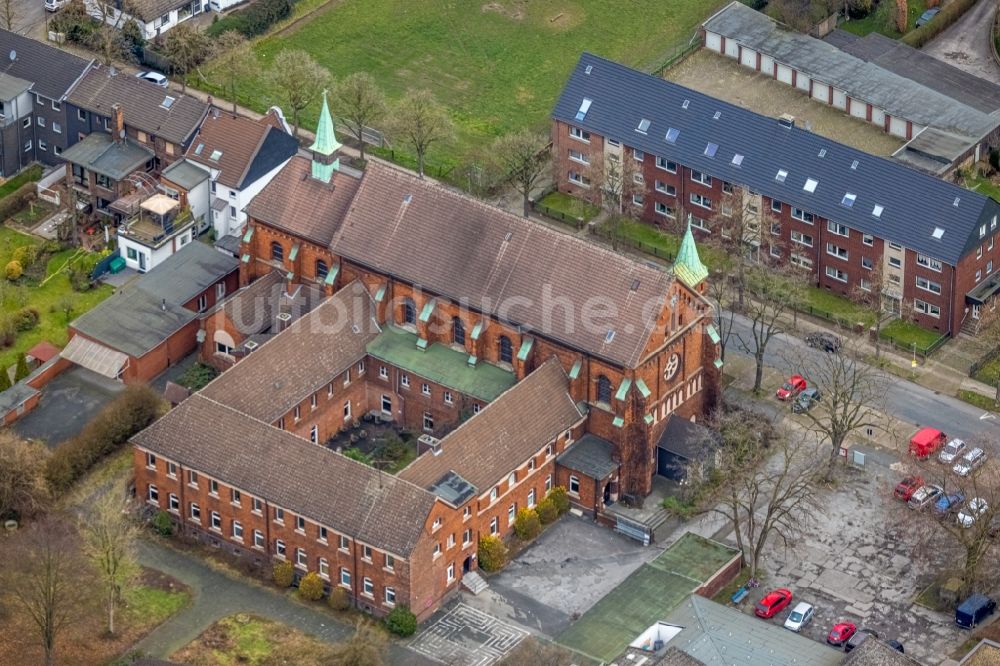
{"points": [[926, 442]]}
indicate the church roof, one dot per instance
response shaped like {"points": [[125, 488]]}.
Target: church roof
{"points": [[325, 144], [688, 267]]}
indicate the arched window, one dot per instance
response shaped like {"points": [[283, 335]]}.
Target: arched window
{"points": [[409, 312], [604, 389], [322, 270], [506, 350], [277, 251], [458, 331]]}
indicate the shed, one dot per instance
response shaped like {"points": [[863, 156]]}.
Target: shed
{"points": [[685, 450]]}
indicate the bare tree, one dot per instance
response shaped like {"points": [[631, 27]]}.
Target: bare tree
{"points": [[720, 291], [109, 538], [616, 182], [9, 13], [43, 569], [22, 486], [236, 61], [117, 34], [522, 159], [852, 399], [737, 224], [768, 487], [421, 121], [186, 47], [366, 647], [360, 102], [771, 293], [299, 80]]}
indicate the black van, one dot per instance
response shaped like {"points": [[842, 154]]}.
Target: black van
{"points": [[973, 610]]}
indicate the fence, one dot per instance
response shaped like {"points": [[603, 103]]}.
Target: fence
{"points": [[44, 185], [103, 266], [911, 348], [842, 322], [632, 244], [983, 361]]}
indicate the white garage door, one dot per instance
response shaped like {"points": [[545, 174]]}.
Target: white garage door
{"points": [[802, 82], [858, 108], [839, 99], [821, 91], [878, 116], [749, 58], [897, 127], [785, 74], [713, 42], [732, 48], [767, 65]]}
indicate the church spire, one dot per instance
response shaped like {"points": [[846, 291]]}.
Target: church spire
{"points": [[324, 148], [688, 267]]}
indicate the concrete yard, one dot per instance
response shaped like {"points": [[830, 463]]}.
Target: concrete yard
{"points": [[68, 402], [722, 77]]}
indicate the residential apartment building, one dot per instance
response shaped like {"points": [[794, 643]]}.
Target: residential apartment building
{"points": [[505, 343], [833, 211]]}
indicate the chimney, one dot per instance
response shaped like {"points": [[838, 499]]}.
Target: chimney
{"points": [[283, 320], [117, 123], [786, 120]]}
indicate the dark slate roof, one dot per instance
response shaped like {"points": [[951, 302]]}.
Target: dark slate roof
{"points": [[688, 439], [344, 495], [142, 104], [230, 244], [913, 203], [185, 174], [53, 71], [100, 153], [591, 456]]}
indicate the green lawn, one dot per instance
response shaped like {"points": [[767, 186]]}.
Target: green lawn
{"points": [[906, 333], [838, 306], [664, 245], [561, 203], [43, 297], [983, 185], [30, 174], [497, 66], [868, 24], [151, 605]]}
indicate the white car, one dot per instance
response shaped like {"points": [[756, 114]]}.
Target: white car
{"points": [[799, 617], [976, 507], [154, 77], [969, 462], [951, 451]]}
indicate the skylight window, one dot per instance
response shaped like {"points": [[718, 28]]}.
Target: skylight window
{"points": [[938, 232], [635, 285], [589, 69], [854, 165], [822, 152], [200, 147], [848, 200], [711, 149], [810, 185], [407, 198], [955, 202], [216, 154], [584, 107], [877, 211], [737, 160], [718, 114], [609, 336], [686, 104], [781, 175], [672, 135], [168, 102], [643, 126]]}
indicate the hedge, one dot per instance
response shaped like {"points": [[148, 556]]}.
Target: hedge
{"points": [[527, 525], [17, 200], [311, 587], [283, 574], [339, 599], [252, 20], [559, 499], [401, 621], [492, 553], [945, 18], [547, 511]]}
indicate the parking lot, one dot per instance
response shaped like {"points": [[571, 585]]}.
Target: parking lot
{"points": [[68, 402]]}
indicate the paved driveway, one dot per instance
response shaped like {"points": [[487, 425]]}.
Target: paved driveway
{"points": [[68, 402], [966, 44]]}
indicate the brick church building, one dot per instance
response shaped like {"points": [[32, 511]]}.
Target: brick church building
{"points": [[508, 344]]}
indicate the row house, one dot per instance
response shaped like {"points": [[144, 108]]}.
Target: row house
{"points": [[152, 17], [842, 216]]}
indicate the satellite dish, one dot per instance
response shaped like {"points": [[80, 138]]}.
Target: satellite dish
{"points": [[13, 54], [121, 133]]}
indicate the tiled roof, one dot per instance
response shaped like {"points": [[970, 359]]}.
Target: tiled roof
{"points": [[241, 149], [303, 358], [51, 70], [144, 104], [149, 10], [253, 308], [504, 434], [297, 203], [99, 152], [874, 652], [313, 481], [500, 263], [591, 455], [911, 204]]}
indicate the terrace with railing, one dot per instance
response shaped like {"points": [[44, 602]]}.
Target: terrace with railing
{"points": [[155, 221]]}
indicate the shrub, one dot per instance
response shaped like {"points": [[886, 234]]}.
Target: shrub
{"points": [[492, 553], [995, 159], [4, 379], [197, 376], [357, 454], [401, 621], [79, 279], [339, 599], [559, 499], [162, 523], [547, 511], [17, 200], [8, 330], [26, 255], [945, 18], [131, 411], [21, 370], [527, 525], [13, 270], [283, 574], [311, 586], [252, 20], [25, 319]]}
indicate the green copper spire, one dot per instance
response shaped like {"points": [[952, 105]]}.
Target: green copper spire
{"points": [[688, 267], [325, 147]]}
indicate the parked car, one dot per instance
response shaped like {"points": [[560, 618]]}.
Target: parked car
{"points": [[795, 385], [895, 645], [949, 503], [926, 442], [952, 450], [800, 616], [858, 638], [968, 463], [972, 611], [806, 400], [828, 342], [773, 603], [926, 17], [925, 495], [976, 507], [53, 5], [905, 488], [841, 633], [154, 78]]}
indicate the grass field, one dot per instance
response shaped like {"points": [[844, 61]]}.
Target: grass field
{"points": [[868, 24], [246, 639], [838, 306], [907, 333], [497, 66]]}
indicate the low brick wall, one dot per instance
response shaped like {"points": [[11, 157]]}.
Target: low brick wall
{"points": [[721, 578]]}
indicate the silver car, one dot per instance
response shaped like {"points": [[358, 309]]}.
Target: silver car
{"points": [[976, 507], [952, 450], [799, 617], [969, 462]]}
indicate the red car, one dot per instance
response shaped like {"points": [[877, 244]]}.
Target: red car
{"points": [[795, 385], [773, 603], [905, 488], [841, 633]]}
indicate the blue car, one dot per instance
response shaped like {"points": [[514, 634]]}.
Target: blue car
{"points": [[949, 503], [927, 16]]}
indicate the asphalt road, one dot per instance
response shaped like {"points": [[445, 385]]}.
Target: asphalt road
{"points": [[905, 400], [29, 18], [966, 44]]}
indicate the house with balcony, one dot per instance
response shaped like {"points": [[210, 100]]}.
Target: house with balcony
{"points": [[151, 231]]}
